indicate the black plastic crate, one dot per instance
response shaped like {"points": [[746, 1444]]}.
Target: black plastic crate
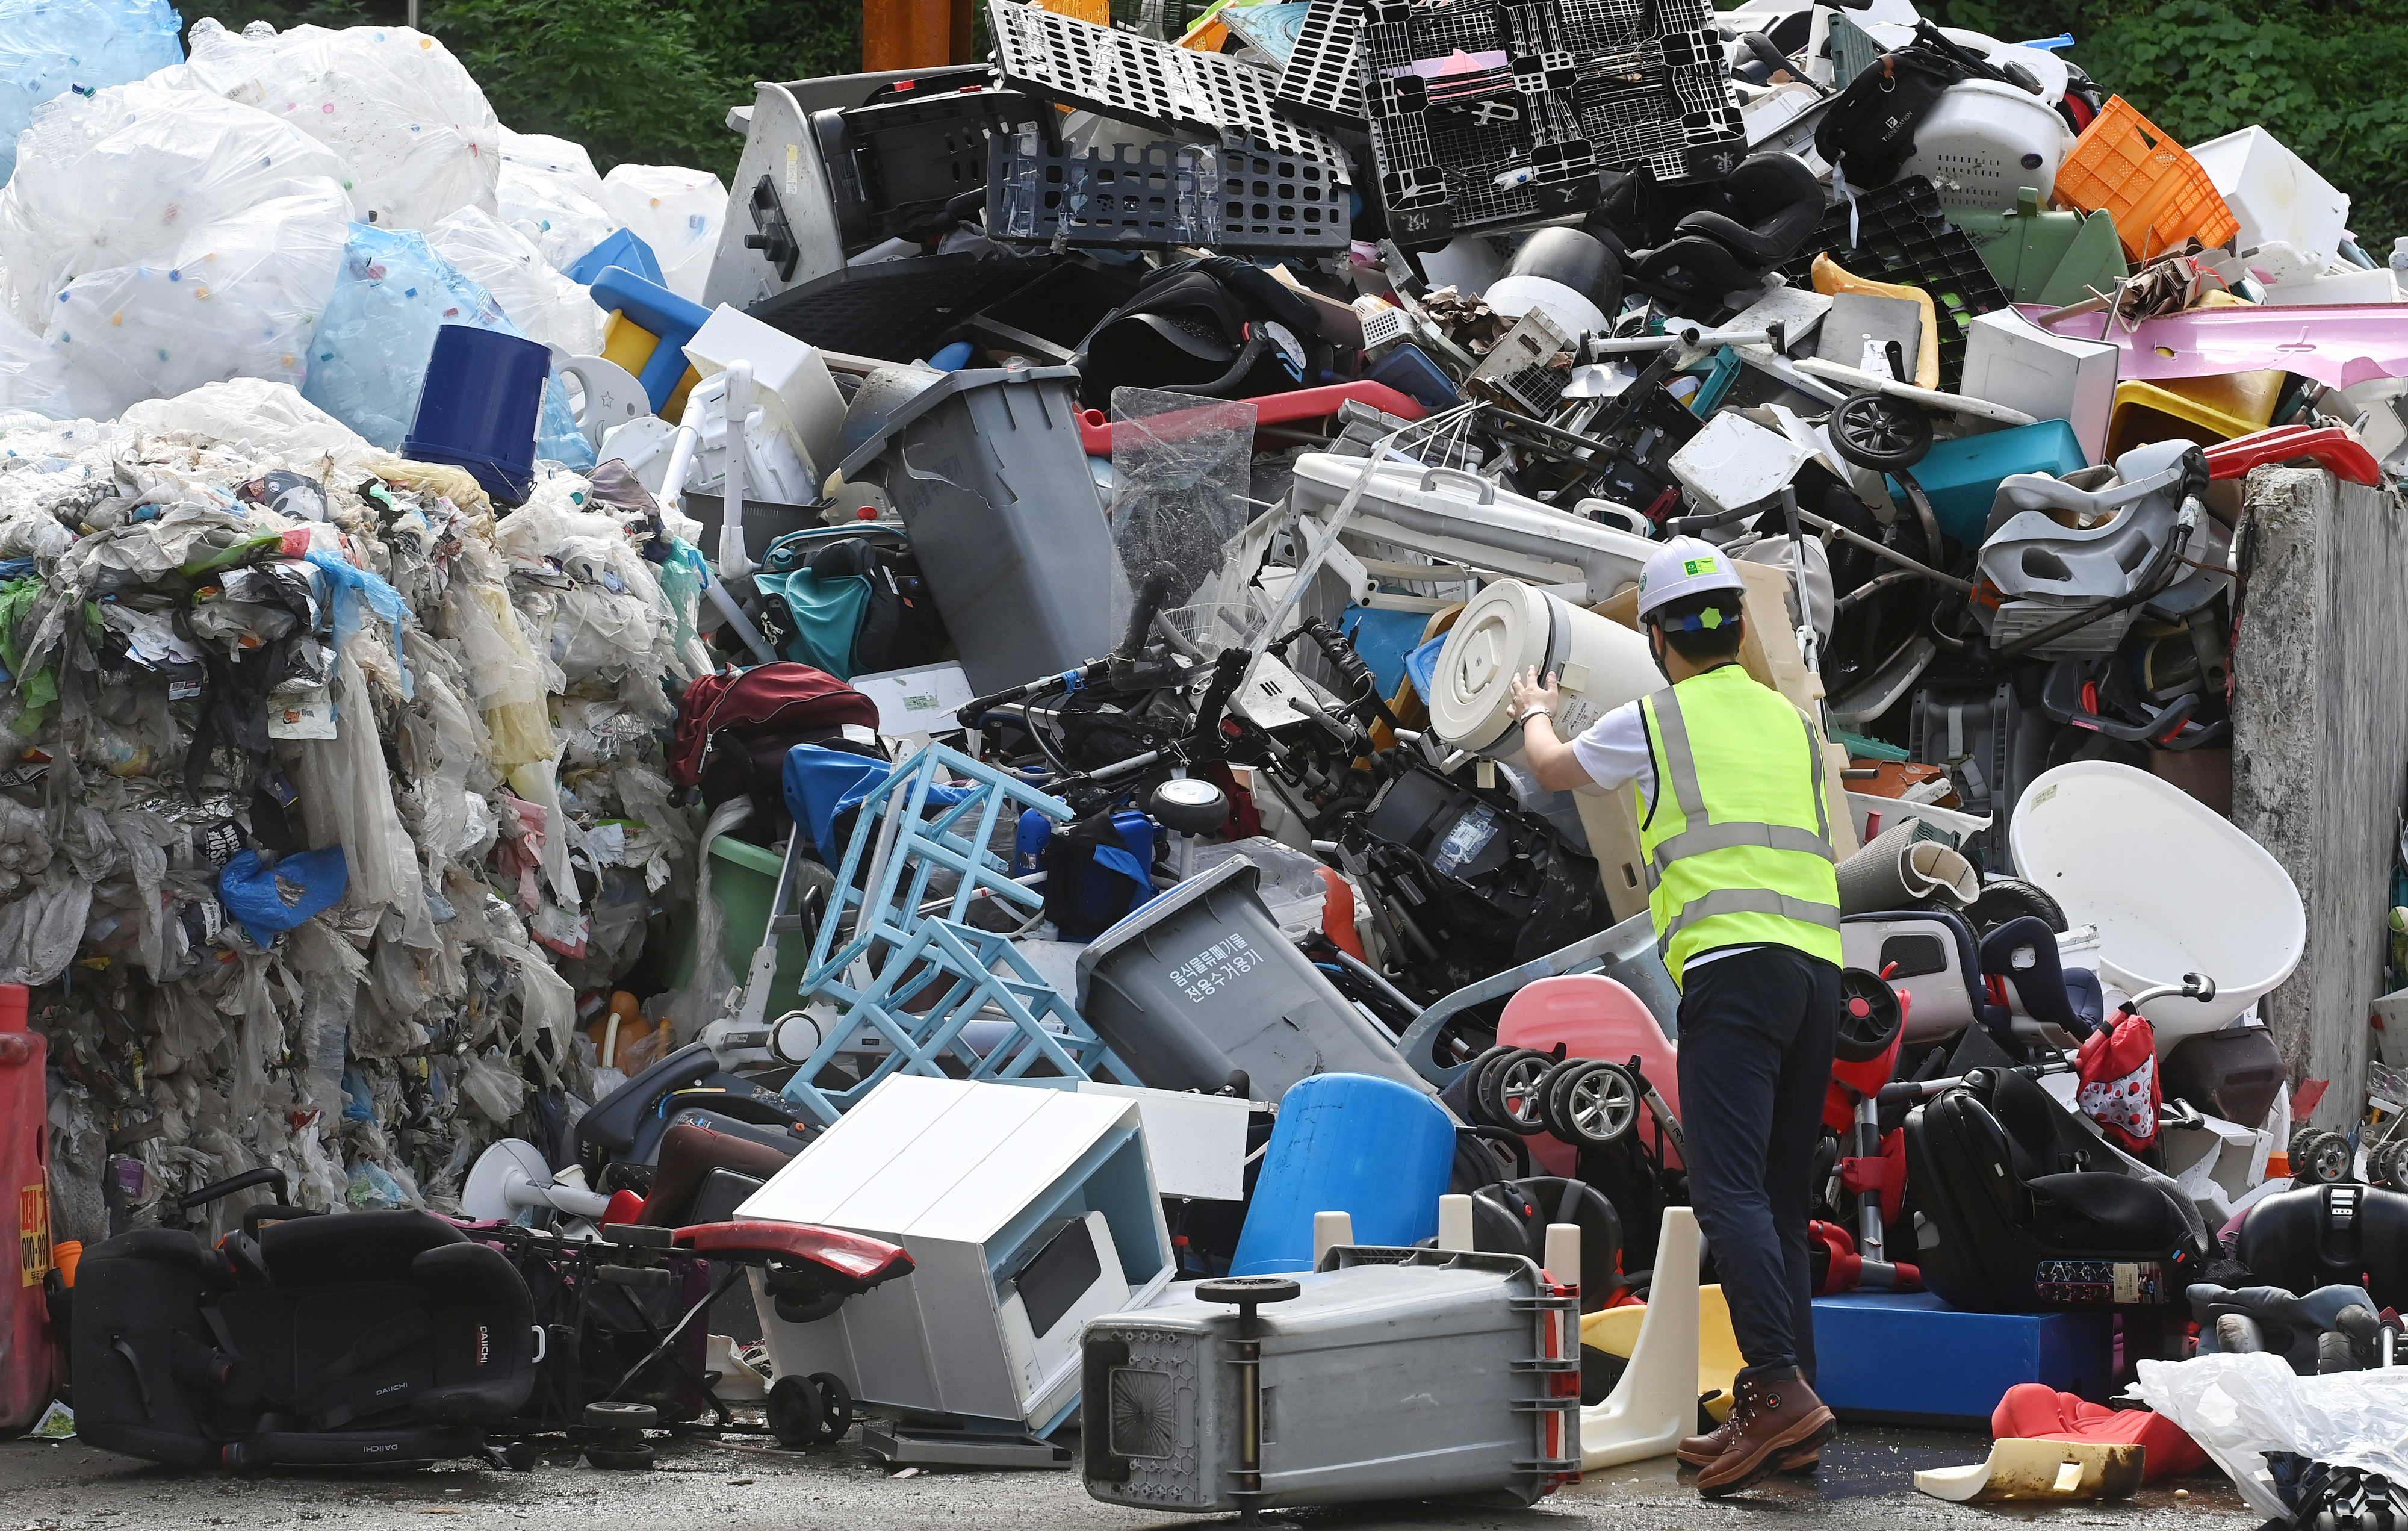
{"points": [[1122, 196], [896, 163], [1903, 236]]}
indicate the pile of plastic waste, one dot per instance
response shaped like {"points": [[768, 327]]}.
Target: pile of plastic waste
{"points": [[544, 698]]}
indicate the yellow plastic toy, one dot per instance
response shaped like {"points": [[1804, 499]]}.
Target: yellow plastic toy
{"points": [[1831, 279], [1615, 1331], [631, 345]]}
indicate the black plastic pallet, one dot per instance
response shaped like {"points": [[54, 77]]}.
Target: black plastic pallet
{"points": [[1139, 79], [1122, 196], [1555, 92], [1903, 236]]}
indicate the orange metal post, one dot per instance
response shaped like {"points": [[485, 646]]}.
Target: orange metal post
{"points": [[915, 33]]}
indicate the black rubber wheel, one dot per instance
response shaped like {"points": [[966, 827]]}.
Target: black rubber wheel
{"points": [[835, 1406], [521, 1455], [1510, 1091], [1875, 431], [1551, 1097], [632, 1456], [2005, 898], [798, 1414], [1237, 1289], [1477, 1070], [1869, 1016], [622, 1416], [1599, 1104], [2319, 1157], [2334, 1353], [2388, 1164]]}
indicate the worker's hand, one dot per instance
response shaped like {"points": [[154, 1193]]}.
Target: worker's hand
{"points": [[1526, 691]]}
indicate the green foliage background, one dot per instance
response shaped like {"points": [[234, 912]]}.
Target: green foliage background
{"points": [[2328, 77], [651, 81]]}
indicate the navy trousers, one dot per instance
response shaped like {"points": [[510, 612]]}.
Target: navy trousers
{"points": [[1756, 1030]]}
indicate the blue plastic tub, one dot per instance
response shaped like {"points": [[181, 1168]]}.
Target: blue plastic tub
{"points": [[1350, 1143], [1961, 477], [478, 410]]}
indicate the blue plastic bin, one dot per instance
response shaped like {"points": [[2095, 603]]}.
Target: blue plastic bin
{"points": [[1384, 640], [478, 410], [1961, 477], [1346, 1143]]}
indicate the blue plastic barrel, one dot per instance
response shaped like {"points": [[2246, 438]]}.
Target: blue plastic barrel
{"points": [[477, 409], [1372, 1147]]}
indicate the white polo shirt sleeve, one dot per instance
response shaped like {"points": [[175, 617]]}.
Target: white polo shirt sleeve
{"points": [[1613, 751]]}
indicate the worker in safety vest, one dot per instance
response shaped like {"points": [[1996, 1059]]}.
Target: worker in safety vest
{"points": [[1746, 907]]}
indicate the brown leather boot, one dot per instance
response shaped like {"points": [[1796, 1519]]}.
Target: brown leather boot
{"points": [[1773, 1415], [1699, 1451]]}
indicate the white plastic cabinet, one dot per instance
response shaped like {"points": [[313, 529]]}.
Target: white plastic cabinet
{"points": [[1025, 1212]]}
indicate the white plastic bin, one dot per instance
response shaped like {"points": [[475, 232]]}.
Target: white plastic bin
{"points": [[2275, 195], [2171, 885]]}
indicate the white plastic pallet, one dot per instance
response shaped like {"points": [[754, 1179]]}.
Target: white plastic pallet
{"points": [[1140, 80], [1322, 80]]}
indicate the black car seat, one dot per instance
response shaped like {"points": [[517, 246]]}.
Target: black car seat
{"points": [[2023, 951], [1768, 207], [1510, 1216], [2023, 1209], [2330, 1236], [364, 1338]]}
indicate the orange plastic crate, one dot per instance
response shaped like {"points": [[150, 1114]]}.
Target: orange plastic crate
{"points": [[2159, 195]]}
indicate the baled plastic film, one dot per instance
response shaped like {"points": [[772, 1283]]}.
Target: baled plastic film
{"points": [[418, 133]]}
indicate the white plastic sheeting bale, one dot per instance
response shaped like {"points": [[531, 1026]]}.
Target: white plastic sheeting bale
{"points": [[263, 420], [551, 194], [50, 46], [540, 300], [419, 135], [675, 210], [158, 239]]}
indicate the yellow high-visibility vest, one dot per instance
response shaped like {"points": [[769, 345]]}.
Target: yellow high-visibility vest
{"points": [[1737, 841]]}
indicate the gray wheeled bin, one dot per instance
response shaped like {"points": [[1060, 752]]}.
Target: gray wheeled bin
{"points": [[1201, 982], [1388, 1374], [987, 472]]}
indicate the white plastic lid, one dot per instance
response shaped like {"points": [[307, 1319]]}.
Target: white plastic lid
{"points": [[1505, 629]]}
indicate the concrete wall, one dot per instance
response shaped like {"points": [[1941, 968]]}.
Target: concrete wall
{"points": [[2320, 748]]}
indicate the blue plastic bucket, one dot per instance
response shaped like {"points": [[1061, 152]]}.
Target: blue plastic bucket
{"points": [[477, 409], [1350, 1143]]}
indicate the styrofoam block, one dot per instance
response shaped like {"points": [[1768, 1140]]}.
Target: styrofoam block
{"points": [[2008, 360]]}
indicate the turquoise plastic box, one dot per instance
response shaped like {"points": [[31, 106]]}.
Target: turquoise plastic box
{"points": [[1961, 477]]}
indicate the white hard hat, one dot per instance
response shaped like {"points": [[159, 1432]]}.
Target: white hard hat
{"points": [[1685, 565]]}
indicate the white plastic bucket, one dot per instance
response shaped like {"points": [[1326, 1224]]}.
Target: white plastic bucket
{"points": [[2172, 887], [1982, 141]]}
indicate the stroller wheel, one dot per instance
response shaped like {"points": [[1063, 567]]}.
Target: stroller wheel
{"points": [[2319, 1157], [1597, 1103], [2388, 1164], [798, 1414], [632, 1456], [1508, 1091], [622, 1416], [835, 1406]]}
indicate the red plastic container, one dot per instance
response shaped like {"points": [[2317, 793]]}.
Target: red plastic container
{"points": [[27, 1363]]}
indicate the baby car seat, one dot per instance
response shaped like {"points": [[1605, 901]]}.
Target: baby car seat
{"points": [[364, 1338], [1771, 204], [2024, 1209], [2326, 1235], [1510, 1216]]}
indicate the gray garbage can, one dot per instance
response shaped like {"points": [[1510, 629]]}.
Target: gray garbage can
{"points": [[987, 472]]}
